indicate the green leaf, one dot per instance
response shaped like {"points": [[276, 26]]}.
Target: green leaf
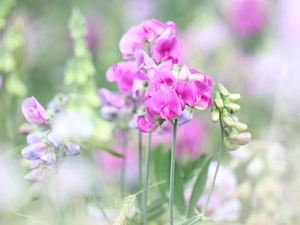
{"points": [[162, 162], [179, 191], [190, 169], [198, 187], [103, 147], [129, 221]]}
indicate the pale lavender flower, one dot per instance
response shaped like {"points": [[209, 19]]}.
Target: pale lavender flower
{"points": [[49, 158], [34, 151], [36, 175], [72, 148], [55, 139], [35, 137]]}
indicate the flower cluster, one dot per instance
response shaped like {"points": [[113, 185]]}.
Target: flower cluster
{"points": [[170, 91], [154, 84], [225, 104], [44, 145]]}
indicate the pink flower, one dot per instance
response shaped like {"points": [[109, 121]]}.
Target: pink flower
{"points": [[33, 111], [131, 41], [166, 47], [247, 17], [124, 74]]}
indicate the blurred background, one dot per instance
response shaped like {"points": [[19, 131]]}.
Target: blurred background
{"points": [[251, 46]]}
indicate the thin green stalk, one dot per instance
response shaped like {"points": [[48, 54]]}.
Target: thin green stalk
{"points": [[172, 172], [217, 169], [123, 172], [147, 165], [140, 199]]}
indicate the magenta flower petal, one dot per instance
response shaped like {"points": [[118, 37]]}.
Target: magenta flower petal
{"points": [[33, 111], [146, 126], [173, 102], [186, 93], [164, 79], [109, 98], [131, 41], [34, 151]]}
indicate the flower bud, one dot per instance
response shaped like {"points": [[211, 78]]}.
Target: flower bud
{"points": [[241, 139], [233, 107], [218, 101], [228, 121], [36, 175], [34, 138], [34, 151], [72, 148], [223, 90], [81, 48], [25, 128], [234, 97], [241, 127], [215, 115], [230, 145], [15, 86], [54, 139]]}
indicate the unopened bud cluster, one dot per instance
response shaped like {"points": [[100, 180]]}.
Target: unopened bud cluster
{"points": [[80, 67], [11, 41], [223, 108]]}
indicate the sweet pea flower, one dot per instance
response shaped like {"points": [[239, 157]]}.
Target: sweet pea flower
{"points": [[33, 111], [34, 151], [166, 47], [124, 74], [35, 137], [72, 148]]}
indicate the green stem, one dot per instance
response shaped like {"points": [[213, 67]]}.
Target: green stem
{"points": [[140, 168], [124, 147], [217, 169], [172, 172], [147, 165]]}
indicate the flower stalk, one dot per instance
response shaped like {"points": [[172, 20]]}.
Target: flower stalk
{"points": [[217, 169], [172, 172], [147, 165]]}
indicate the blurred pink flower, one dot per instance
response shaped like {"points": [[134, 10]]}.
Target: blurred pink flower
{"points": [[111, 165], [247, 17]]}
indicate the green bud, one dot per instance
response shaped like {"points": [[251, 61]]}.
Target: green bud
{"points": [[233, 107], [15, 86], [218, 101], [81, 48], [227, 119], [215, 116], [234, 97], [223, 90], [241, 138], [7, 61], [12, 39], [175, 70], [77, 24], [88, 67], [230, 145], [241, 127]]}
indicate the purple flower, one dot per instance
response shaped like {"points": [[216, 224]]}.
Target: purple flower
{"points": [[109, 98], [72, 148], [34, 138], [109, 113], [33, 111], [54, 139], [34, 151]]}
